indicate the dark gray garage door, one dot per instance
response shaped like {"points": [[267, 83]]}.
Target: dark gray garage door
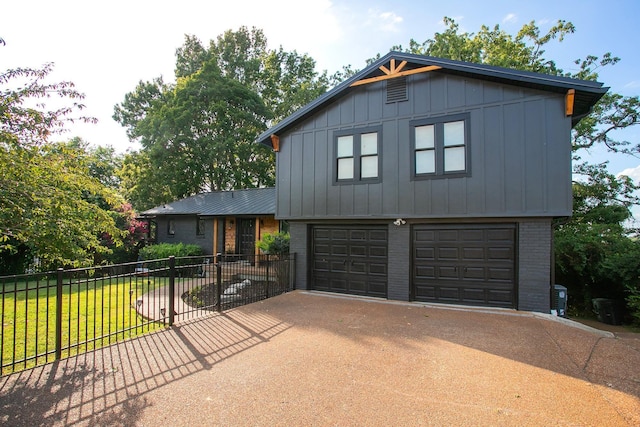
{"points": [[350, 259], [464, 264]]}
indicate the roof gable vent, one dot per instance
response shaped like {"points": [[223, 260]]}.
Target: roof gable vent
{"points": [[397, 90]]}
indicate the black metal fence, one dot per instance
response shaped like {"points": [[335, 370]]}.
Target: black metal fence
{"points": [[52, 315]]}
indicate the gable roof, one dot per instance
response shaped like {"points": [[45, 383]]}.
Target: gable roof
{"points": [[254, 201], [587, 93]]}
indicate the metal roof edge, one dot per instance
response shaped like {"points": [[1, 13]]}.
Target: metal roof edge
{"points": [[507, 74]]}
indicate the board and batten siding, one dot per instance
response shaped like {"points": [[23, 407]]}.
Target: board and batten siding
{"points": [[520, 155]]}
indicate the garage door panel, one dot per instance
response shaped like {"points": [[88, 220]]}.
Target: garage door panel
{"points": [[379, 236], [322, 283], [338, 249], [424, 236], [447, 272], [358, 267], [358, 250], [474, 273], [321, 233], [358, 287], [505, 274], [496, 296], [426, 293], [338, 266], [500, 234], [425, 272], [357, 259], [378, 269], [378, 251], [321, 265], [358, 235], [447, 236], [471, 235], [467, 264], [448, 253], [377, 288], [500, 253], [473, 295], [338, 284], [321, 249], [428, 254], [338, 234], [449, 293], [473, 253]]}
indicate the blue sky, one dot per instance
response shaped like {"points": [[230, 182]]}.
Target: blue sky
{"points": [[106, 48]]}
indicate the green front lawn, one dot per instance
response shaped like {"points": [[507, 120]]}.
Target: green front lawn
{"points": [[95, 313]]}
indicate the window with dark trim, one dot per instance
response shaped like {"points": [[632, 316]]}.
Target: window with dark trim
{"points": [[171, 227], [200, 226], [440, 147], [357, 154]]}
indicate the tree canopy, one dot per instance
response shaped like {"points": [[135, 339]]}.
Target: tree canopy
{"points": [[48, 207], [197, 134]]}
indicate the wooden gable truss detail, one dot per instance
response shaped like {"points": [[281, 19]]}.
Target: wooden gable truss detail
{"points": [[394, 71]]}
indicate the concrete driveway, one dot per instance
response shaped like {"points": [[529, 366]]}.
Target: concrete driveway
{"points": [[316, 359]]}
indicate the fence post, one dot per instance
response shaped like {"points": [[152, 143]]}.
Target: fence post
{"points": [[59, 278], [292, 271], [172, 289], [268, 262], [218, 285]]}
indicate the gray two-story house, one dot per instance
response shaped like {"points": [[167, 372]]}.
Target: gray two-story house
{"points": [[425, 179]]}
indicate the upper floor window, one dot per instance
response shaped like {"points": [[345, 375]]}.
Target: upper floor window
{"points": [[357, 155], [440, 146]]}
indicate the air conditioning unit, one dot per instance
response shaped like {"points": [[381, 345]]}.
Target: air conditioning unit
{"points": [[560, 300]]}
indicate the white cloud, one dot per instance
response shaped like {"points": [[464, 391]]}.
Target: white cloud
{"points": [[633, 173], [388, 22], [510, 18], [634, 84]]}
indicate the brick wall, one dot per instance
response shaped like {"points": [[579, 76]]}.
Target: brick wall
{"points": [[268, 225], [534, 266], [399, 256], [299, 234], [230, 225]]}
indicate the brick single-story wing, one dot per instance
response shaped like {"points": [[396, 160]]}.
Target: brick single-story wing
{"points": [[227, 222]]}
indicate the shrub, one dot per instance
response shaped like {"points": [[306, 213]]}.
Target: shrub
{"points": [[165, 250], [275, 243]]}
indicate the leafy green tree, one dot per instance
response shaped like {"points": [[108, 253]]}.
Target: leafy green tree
{"points": [[595, 257], [198, 133], [47, 209], [103, 162], [198, 136], [141, 183]]}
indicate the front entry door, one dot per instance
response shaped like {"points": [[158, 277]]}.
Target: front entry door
{"points": [[246, 237]]}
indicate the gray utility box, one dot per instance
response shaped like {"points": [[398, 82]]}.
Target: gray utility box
{"points": [[608, 310], [560, 300]]}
